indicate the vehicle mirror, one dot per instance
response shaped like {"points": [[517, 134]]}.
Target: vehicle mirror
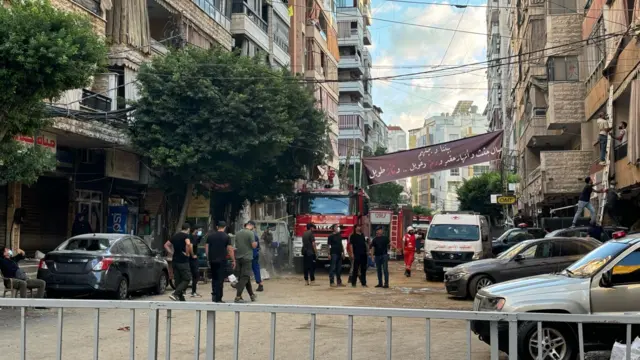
{"points": [[605, 280], [518, 257]]}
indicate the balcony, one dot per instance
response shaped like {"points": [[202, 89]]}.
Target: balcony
{"points": [[281, 51], [566, 106], [354, 86], [536, 134], [157, 48], [367, 100], [214, 13], [280, 9], [94, 101], [367, 37], [351, 62], [351, 108], [351, 37], [245, 21]]}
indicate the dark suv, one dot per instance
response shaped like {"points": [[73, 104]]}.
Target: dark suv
{"points": [[515, 236]]}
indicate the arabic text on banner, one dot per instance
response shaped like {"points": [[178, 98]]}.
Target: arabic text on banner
{"points": [[453, 154]]}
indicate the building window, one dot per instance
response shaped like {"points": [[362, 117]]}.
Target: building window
{"points": [[563, 68], [454, 172], [562, 7], [480, 169], [595, 54], [432, 183]]}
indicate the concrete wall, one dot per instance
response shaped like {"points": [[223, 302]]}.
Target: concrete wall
{"points": [[563, 29], [566, 104], [564, 171]]}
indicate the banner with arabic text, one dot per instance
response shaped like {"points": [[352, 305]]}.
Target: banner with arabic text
{"points": [[433, 158]]}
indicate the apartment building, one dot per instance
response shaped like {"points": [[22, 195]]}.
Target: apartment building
{"points": [[498, 72], [97, 170], [397, 142], [313, 47], [261, 28], [438, 190], [548, 90], [612, 86]]}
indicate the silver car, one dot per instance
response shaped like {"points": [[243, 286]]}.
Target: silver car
{"points": [[605, 281]]}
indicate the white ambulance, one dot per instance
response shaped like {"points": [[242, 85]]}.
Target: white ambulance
{"points": [[455, 238]]}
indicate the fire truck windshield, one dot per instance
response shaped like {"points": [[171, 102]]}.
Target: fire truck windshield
{"points": [[324, 205]]}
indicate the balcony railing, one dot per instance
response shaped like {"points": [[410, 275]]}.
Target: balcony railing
{"points": [[620, 152], [282, 43], [209, 7], [91, 5], [95, 101], [243, 8]]}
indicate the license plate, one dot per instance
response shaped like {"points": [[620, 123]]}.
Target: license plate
{"points": [[444, 269]]}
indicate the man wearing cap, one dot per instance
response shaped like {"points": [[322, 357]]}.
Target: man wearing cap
{"points": [[217, 248], [409, 250], [245, 243]]}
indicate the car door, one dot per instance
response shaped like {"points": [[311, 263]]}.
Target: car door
{"points": [[623, 294], [147, 269], [536, 260], [135, 268], [566, 252]]}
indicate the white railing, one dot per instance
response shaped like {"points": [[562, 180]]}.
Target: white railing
{"points": [[154, 309]]}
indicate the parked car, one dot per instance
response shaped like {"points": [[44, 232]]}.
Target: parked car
{"points": [[583, 231], [515, 236], [605, 281], [105, 263], [528, 258]]}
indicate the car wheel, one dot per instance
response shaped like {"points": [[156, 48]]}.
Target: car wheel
{"points": [[123, 290], [161, 286], [478, 283], [557, 342]]}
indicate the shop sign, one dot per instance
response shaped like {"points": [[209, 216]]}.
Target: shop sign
{"points": [[380, 217], [198, 207], [122, 165], [506, 200], [117, 220], [46, 140]]}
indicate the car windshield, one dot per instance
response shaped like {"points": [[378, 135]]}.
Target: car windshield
{"points": [[454, 232], [505, 234], [325, 205], [513, 251], [85, 244], [596, 259]]}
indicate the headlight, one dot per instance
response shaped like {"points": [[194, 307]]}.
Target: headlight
{"points": [[477, 255], [454, 277], [427, 255], [495, 304]]}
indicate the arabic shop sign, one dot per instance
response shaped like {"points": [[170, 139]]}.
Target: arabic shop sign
{"points": [[46, 140], [453, 154]]}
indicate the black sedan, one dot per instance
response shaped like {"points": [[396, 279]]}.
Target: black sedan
{"points": [[514, 236], [583, 232], [116, 264], [528, 258]]}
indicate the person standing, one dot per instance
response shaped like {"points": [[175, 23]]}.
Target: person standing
{"points": [[179, 248], [380, 254], [81, 224], [603, 131], [611, 203], [267, 240], [336, 251], [409, 250], [359, 255], [245, 243], [309, 255], [584, 201], [194, 263], [255, 263], [218, 248]]}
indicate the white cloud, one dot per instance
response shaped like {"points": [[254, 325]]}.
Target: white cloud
{"points": [[412, 49], [387, 7]]}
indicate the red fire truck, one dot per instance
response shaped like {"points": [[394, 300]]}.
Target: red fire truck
{"points": [[394, 224], [324, 207]]}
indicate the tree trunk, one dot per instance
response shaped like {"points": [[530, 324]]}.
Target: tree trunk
{"points": [[185, 206]]}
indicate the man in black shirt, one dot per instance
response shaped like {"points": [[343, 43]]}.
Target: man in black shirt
{"points": [[309, 255], [380, 254], [611, 202], [217, 248], [336, 251], [194, 263], [179, 248], [359, 256], [584, 201]]}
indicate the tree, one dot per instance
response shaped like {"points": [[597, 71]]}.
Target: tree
{"points": [[44, 52], [421, 210], [474, 194], [214, 117]]}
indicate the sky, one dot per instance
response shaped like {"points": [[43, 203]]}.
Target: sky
{"points": [[406, 49]]}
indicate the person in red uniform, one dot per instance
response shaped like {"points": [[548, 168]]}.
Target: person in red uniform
{"points": [[409, 250]]}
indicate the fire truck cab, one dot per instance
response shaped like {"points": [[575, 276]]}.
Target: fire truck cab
{"points": [[325, 207]]}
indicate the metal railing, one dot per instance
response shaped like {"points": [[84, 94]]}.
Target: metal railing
{"points": [[211, 309]]}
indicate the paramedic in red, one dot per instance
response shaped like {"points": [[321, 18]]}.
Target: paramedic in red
{"points": [[409, 250]]}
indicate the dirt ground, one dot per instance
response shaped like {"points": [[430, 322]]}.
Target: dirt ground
{"points": [[448, 338]]}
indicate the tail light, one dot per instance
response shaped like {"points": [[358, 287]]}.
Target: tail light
{"points": [[42, 265], [103, 264], [619, 234]]}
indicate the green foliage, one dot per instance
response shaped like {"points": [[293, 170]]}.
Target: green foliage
{"points": [[43, 52], [475, 194], [212, 116], [386, 194], [421, 210], [22, 163]]}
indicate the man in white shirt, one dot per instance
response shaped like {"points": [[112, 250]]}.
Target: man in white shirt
{"points": [[603, 130], [621, 139]]}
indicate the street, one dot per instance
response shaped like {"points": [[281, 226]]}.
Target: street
{"points": [[447, 337]]}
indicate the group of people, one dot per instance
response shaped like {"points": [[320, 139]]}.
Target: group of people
{"points": [[360, 250], [224, 259]]}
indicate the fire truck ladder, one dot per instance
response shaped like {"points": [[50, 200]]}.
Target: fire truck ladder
{"points": [[605, 172], [394, 235]]}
